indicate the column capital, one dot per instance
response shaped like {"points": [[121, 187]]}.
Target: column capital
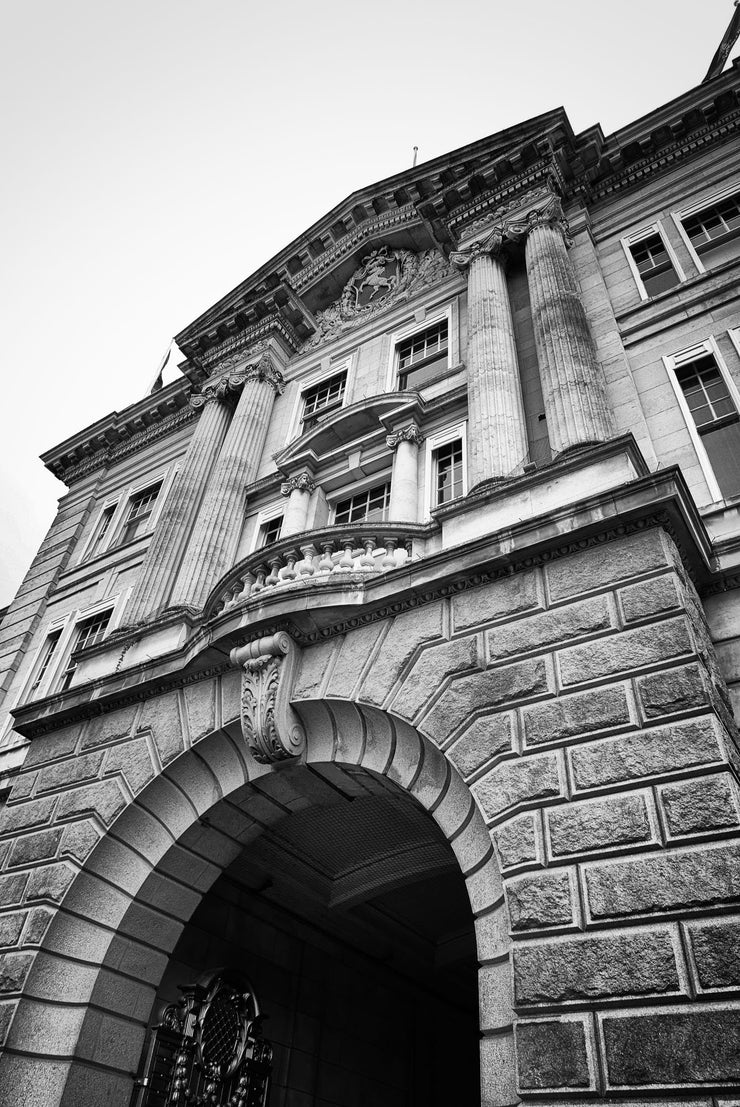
{"points": [[304, 482], [549, 214], [490, 246], [406, 434], [231, 384]]}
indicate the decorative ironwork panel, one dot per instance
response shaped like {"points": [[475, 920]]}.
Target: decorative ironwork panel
{"points": [[208, 1050]]}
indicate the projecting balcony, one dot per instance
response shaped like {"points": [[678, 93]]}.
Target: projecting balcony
{"points": [[327, 556]]}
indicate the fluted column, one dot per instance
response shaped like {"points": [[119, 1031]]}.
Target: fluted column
{"points": [[497, 435], [176, 519], [298, 491], [573, 385], [212, 547], [404, 504]]}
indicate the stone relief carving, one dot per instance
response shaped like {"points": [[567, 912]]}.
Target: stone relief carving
{"points": [[406, 434], [271, 728], [304, 482], [230, 384], [385, 277]]}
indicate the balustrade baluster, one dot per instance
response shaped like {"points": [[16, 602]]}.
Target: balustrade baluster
{"points": [[326, 564], [275, 562], [389, 561], [306, 567], [347, 562], [367, 561], [288, 570]]}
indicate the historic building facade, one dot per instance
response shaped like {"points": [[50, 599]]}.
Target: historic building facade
{"points": [[374, 683]]}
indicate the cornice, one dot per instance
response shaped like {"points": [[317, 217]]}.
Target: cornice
{"points": [[238, 348]]}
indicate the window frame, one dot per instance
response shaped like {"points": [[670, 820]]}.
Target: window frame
{"points": [[423, 320], [695, 209], [325, 372], [672, 362], [433, 443], [120, 504], [635, 239], [267, 515], [356, 489]]}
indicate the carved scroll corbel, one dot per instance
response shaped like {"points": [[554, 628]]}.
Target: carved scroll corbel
{"points": [[270, 726]]}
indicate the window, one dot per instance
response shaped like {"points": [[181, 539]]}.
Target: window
{"points": [[269, 531], [369, 506], [47, 653], [448, 472], [140, 508], [88, 632], [422, 356], [710, 403], [322, 398], [98, 541], [711, 229], [654, 265]]}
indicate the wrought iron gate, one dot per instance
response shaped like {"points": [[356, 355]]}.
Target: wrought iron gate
{"points": [[208, 1050]]}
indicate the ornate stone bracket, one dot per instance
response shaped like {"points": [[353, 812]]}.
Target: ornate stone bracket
{"points": [[230, 384], [304, 483], [270, 726], [406, 434]]}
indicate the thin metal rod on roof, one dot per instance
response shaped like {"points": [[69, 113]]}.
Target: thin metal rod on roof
{"points": [[157, 383], [729, 39], [416, 154]]}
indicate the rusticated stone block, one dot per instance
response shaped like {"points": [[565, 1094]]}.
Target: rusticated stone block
{"points": [[605, 564], [50, 747], [570, 716], [35, 847], [686, 1047], [539, 901], [407, 633], [110, 727], [621, 653], [703, 804], [516, 841], [77, 770], [505, 597], [552, 1054], [664, 882], [231, 692], [134, 761], [39, 919], [7, 1011], [314, 665], [50, 882], [519, 781], [480, 691], [104, 799], [162, 717], [200, 704], [716, 949], [354, 651], [632, 964], [564, 624], [672, 690], [484, 739], [430, 669], [23, 786], [14, 968], [647, 753], [26, 815], [12, 888], [79, 840], [599, 824], [11, 926], [649, 597]]}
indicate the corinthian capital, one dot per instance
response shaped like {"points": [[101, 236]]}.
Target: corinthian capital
{"points": [[229, 385], [266, 370], [406, 434], [489, 246], [303, 483]]}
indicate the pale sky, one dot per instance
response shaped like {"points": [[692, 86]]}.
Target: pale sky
{"points": [[156, 152]]}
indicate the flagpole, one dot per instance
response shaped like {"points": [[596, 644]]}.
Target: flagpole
{"points": [[729, 39], [157, 382]]}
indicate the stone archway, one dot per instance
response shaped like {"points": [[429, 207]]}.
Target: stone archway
{"points": [[108, 944]]}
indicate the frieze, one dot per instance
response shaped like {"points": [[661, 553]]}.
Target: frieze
{"points": [[385, 277], [511, 195], [238, 347]]}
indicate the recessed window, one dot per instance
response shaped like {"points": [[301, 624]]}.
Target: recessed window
{"points": [[447, 465], [368, 506], [88, 632], [98, 543], [716, 418], [269, 531], [654, 265], [47, 654], [421, 357], [140, 508], [323, 398], [712, 229]]}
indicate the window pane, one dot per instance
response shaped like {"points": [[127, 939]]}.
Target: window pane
{"points": [[270, 531], [139, 513], [428, 349], [47, 654], [449, 472], [323, 398], [371, 506], [723, 447]]}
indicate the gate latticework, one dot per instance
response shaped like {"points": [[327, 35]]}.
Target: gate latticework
{"points": [[208, 1050]]}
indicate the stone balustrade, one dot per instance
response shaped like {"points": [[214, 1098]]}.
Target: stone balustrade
{"points": [[317, 556]]}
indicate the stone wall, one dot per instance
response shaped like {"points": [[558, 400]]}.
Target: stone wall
{"points": [[577, 700]]}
